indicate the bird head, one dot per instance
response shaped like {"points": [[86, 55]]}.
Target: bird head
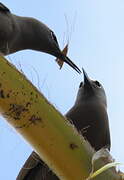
{"points": [[90, 90]]}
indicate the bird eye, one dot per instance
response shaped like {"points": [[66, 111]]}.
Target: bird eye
{"points": [[54, 37], [97, 84], [80, 84]]}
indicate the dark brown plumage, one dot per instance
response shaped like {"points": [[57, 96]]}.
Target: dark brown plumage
{"points": [[18, 33], [89, 115]]}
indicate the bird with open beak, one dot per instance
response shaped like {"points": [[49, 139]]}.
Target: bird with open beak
{"points": [[19, 33]]}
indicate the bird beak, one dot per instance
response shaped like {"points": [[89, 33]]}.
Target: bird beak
{"points": [[62, 57], [87, 81], [69, 62]]}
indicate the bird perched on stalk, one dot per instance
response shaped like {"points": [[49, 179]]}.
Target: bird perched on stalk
{"points": [[89, 116], [19, 33], [89, 113]]}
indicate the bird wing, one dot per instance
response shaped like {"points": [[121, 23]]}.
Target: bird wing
{"points": [[29, 165], [4, 8], [35, 169]]}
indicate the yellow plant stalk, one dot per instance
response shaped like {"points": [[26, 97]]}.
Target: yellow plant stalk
{"points": [[47, 131]]}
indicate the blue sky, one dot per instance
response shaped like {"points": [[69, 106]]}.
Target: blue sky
{"points": [[97, 44]]}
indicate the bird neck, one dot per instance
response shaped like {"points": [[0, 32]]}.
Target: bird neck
{"points": [[93, 101], [24, 38]]}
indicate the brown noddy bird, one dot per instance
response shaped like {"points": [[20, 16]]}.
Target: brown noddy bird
{"points": [[89, 116], [89, 113], [19, 33]]}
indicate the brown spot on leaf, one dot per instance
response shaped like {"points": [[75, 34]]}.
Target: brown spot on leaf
{"points": [[34, 119], [28, 104], [8, 95], [22, 126], [3, 73], [2, 94], [16, 110], [73, 146], [36, 96], [23, 93]]}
